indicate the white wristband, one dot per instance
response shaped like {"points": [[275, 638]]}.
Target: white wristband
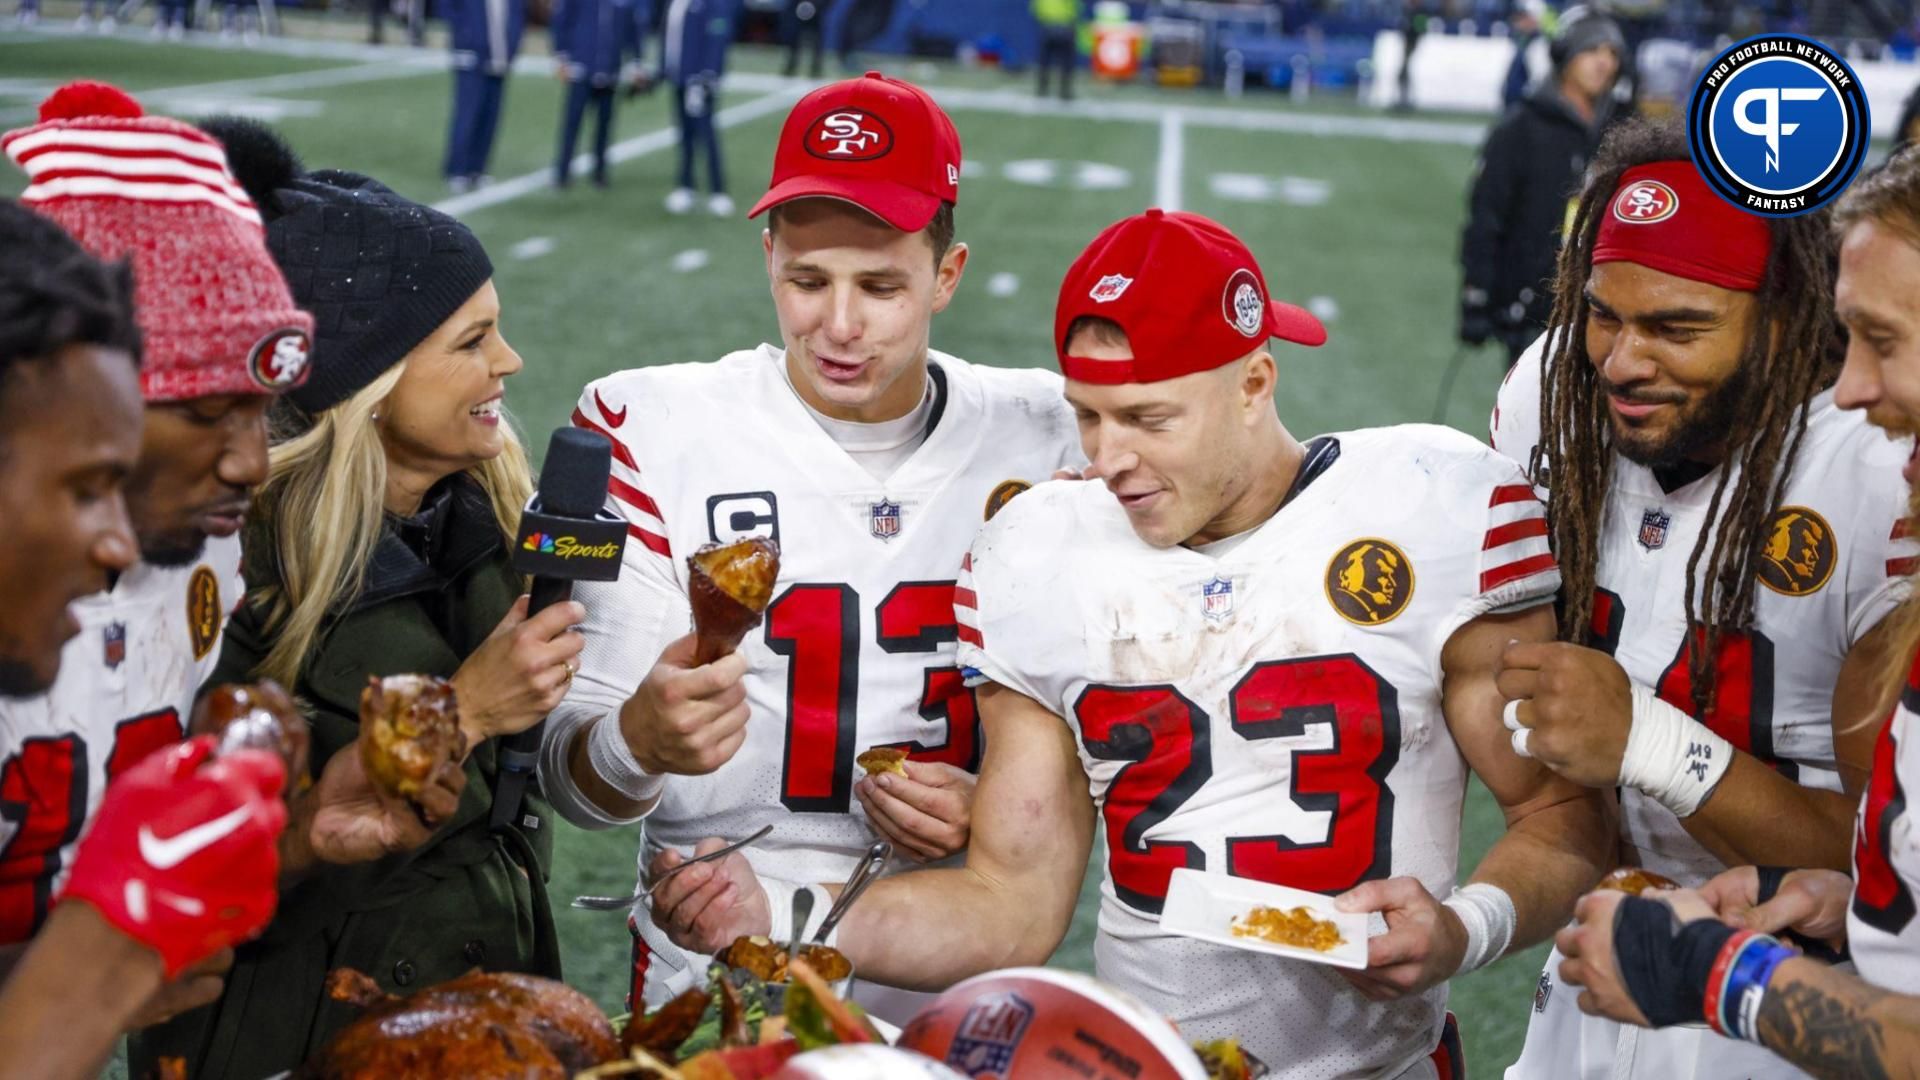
{"points": [[613, 762], [1672, 758], [780, 908], [1487, 912]]}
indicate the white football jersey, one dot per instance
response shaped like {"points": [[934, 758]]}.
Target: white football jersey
{"points": [[857, 646], [1835, 564], [1271, 713], [1881, 930], [126, 688]]}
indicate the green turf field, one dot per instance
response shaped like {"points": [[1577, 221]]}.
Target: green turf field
{"points": [[1351, 213]]}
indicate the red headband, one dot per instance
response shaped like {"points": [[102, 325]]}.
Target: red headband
{"points": [[1665, 217]]}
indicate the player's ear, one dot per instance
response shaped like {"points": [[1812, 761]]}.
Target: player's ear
{"points": [[1259, 377], [947, 276], [766, 245]]}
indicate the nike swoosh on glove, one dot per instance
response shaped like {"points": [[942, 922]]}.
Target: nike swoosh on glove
{"points": [[183, 855]]}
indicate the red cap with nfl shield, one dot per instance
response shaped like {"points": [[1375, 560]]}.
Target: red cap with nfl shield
{"points": [[878, 143], [1186, 291]]}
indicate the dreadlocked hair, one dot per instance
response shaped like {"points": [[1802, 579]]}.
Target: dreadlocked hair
{"points": [[1793, 353]]}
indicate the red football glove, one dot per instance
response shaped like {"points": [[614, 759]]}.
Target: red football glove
{"points": [[183, 855]]}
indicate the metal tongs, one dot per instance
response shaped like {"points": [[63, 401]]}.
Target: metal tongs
{"points": [[623, 903], [863, 875]]}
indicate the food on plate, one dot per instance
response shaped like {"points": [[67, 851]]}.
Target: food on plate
{"points": [[883, 759], [1634, 881], [730, 1035], [1296, 927], [257, 716], [1225, 1060], [410, 732], [767, 960], [480, 1026], [729, 586]]}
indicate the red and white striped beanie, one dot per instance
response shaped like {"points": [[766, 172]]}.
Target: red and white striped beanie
{"points": [[212, 306]]}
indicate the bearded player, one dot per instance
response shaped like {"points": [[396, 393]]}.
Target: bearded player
{"points": [[1249, 657], [1820, 1018], [1730, 539], [221, 338], [871, 460]]}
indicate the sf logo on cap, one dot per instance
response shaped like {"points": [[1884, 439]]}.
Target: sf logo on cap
{"points": [[279, 359], [1644, 202], [849, 135]]}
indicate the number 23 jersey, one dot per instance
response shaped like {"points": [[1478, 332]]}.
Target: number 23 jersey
{"points": [[1272, 713]]}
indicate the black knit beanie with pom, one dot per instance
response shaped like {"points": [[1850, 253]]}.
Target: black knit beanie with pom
{"points": [[379, 272]]}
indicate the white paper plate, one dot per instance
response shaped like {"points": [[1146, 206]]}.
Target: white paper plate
{"points": [[1203, 906]]}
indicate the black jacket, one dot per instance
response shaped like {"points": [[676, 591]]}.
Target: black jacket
{"points": [[1529, 172], [468, 898]]}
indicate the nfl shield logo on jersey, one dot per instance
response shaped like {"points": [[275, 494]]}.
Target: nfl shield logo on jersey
{"points": [[114, 644], [1653, 529], [884, 519], [1216, 598], [989, 1034]]}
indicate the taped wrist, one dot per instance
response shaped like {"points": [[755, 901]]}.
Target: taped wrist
{"points": [[613, 761], [1487, 912], [1663, 964], [1672, 758], [780, 908]]}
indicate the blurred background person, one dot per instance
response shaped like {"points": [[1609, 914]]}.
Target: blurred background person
{"points": [[1531, 19], [1059, 29], [597, 45], [800, 23], [696, 37], [380, 545], [1529, 170], [486, 38], [411, 12]]}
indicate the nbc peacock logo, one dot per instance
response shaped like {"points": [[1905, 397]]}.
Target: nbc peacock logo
{"points": [[541, 542]]}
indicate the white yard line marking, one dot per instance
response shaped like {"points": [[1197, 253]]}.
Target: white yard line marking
{"points": [[690, 260], [1003, 284], [626, 150], [1173, 160], [533, 247]]}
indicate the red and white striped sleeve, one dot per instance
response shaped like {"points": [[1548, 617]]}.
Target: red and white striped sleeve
{"points": [[626, 487], [996, 623], [1517, 567]]}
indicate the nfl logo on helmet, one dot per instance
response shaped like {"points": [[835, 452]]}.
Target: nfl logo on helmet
{"points": [[989, 1034], [1216, 598], [884, 519], [1653, 529]]}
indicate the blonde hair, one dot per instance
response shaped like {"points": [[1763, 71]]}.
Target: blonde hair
{"points": [[1890, 197], [324, 504]]}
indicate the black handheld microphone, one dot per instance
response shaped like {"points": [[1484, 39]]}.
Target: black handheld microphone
{"points": [[566, 535]]}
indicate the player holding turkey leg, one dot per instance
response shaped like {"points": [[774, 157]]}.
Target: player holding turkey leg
{"points": [[871, 460], [1730, 540], [70, 420], [220, 337], [1250, 656], [1634, 959]]}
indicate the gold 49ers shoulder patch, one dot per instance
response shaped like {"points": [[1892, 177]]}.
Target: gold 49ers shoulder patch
{"points": [[203, 611], [1798, 553], [1369, 582], [1002, 494]]}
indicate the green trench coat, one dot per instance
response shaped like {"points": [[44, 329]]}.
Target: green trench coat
{"points": [[467, 899]]}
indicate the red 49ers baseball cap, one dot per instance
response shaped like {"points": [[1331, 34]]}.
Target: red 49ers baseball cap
{"points": [[1186, 291], [878, 143]]}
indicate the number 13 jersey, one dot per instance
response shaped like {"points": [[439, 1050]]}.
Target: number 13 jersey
{"points": [[1272, 713], [857, 646]]}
